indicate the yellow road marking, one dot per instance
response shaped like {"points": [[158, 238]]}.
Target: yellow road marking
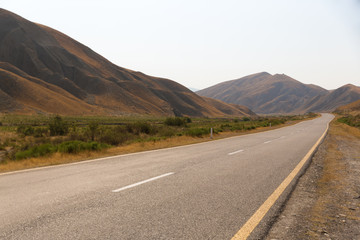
{"points": [[255, 219]]}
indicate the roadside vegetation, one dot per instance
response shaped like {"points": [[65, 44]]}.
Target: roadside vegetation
{"points": [[325, 202], [28, 137], [351, 120]]}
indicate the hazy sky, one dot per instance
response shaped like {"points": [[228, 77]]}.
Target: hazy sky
{"points": [[200, 43]]}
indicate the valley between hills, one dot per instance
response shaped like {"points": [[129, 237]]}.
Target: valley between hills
{"points": [[61, 102]]}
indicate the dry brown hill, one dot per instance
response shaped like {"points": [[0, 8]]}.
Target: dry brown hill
{"points": [[280, 94], [334, 99], [351, 108], [43, 70], [265, 93]]}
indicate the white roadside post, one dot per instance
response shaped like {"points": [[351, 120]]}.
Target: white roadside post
{"points": [[211, 133]]}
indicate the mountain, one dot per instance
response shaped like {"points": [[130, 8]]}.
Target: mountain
{"points": [[265, 93], [351, 108], [334, 99], [43, 70], [280, 94]]}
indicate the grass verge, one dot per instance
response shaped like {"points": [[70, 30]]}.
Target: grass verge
{"points": [[74, 151]]}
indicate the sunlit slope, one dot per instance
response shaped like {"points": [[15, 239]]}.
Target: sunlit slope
{"points": [[90, 82], [272, 94]]}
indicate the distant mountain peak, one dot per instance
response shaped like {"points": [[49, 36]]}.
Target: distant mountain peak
{"points": [[280, 94]]}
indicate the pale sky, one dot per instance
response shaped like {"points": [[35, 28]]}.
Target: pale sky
{"points": [[199, 43]]}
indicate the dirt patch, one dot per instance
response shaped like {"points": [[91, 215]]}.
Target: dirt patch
{"points": [[326, 201]]}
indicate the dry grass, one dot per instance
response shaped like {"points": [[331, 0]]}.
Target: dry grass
{"points": [[325, 202], [335, 187], [352, 108]]}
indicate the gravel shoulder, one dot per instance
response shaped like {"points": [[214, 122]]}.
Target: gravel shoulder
{"points": [[325, 204]]}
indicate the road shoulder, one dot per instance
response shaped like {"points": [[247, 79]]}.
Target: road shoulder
{"points": [[326, 201]]}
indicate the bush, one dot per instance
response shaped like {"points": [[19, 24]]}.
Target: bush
{"points": [[197, 132], [176, 121], [275, 122], [246, 119], [237, 127], [115, 136], [167, 132], [79, 146], [140, 127], [36, 151], [93, 128], [58, 127], [311, 115], [40, 132], [143, 127], [225, 127], [25, 130], [353, 121], [188, 120]]}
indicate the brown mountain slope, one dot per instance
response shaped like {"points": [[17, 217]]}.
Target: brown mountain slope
{"points": [[334, 99], [265, 93], [82, 81], [27, 94], [351, 108]]}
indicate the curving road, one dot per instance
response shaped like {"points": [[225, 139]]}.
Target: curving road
{"points": [[201, 191]]}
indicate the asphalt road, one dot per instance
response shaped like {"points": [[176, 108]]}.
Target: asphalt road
{"points": [[201, 191]]}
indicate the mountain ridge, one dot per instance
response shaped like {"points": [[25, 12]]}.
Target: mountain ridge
{"points": [[39, 55], [280, 94]]}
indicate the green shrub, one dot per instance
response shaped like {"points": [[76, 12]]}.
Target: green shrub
{"points": [[353, 121], [175, 121], [140, 127], [275, 122], [167, 132], [25, 130], [188, 120], [40, 132], [237, 127], [197, 132], [36, 151], [79, 146], [311, 115], [115, 136], [58, 127], [93, 128]]}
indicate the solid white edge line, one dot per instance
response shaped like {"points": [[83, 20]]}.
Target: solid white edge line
{"points": [[232, 153], [142, 182]]}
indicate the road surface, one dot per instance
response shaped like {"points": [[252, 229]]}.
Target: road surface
{"points": [[201, 191]]}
